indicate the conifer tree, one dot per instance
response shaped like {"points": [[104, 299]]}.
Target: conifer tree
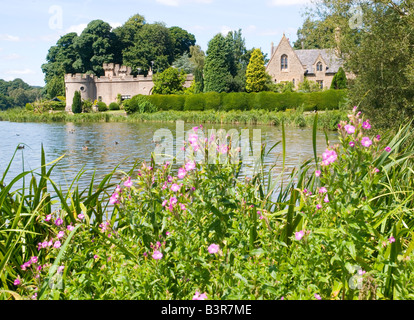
{"points": [[339, 80], [77, 103], [256, 73]]}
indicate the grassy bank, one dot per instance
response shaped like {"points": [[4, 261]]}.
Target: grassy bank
{"points": [[326, 119]]}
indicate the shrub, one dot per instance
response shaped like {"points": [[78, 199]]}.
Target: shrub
{"points": [[212, 101], [86, 106], [102, 107], [114, 106], [167, 102], [29, 107], [195, 102], [77, 103], [235, 101], [140, 104]]}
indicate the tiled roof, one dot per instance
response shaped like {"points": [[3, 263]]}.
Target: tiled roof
{"points": [[308, 58]]}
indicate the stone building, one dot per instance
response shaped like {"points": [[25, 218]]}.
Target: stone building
{"points": [[117, 80], [287, 64]]}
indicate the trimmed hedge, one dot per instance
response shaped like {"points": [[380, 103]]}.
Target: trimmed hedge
{"points": [[266, 100], [114, 106]]}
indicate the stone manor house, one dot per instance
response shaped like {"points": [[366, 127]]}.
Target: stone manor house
{"points": [[287, 64]]}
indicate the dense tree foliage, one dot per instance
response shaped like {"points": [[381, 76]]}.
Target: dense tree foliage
{"points": [[136, 44], [170, 81], [77, 103], [376, 43], [17, 93], [339, 81]]}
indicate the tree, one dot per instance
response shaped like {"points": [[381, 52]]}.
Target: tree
{"points": [[198, 57], [185, 63], [217, 68], [170, 81], [56, 87], [77, 103], [181, 41], [339, 80], [256, 73]]}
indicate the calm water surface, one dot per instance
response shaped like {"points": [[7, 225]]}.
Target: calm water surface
{"points": [[110, 143]]}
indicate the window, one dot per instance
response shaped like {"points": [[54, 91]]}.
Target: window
{"points": [[293, 81], [320, 82], [319, 66], [125, 97], [284, 62]]}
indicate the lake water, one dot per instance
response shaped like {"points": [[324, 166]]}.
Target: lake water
{"points": [[110, 143]]}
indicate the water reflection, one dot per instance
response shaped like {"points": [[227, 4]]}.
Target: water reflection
{"points": [[110, 143]]}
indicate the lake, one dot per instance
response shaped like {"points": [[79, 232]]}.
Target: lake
{"points": [[110, 143]]}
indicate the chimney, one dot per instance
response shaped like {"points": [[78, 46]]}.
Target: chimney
{"points": [[272, 49]]}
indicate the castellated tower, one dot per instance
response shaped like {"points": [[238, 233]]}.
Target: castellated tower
{"points": [[84, 83]]}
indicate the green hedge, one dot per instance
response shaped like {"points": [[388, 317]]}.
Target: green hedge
{"points": [[266, 100]]}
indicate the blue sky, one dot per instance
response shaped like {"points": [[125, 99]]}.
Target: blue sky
{"points": [[30, 27]]}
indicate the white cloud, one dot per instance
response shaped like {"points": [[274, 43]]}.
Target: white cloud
{"points": [[176, 3], [20, 72], [115, 24], [285, 3], [12, 56], [225, 30], [78, 28], [8, 37]]}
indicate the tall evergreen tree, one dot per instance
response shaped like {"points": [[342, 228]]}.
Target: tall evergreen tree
{"points": [[339, 80], [217, 76], [77, 103], [256, 73]]}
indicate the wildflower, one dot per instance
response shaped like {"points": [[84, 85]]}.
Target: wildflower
{"points": [[128, 183], [318, 206], [213, 248], [366, 142], [164, 203], [318, 173], [366, 125], [50, 243], [328, 157], [157, 255], [392, 239], [378, 137], [299, 235], [81, 216], [114, 199], [23, 267], [352, 144], [44, 244], [170, 179], [326, 199], [175, 187], [199, 296], [223, 149], [190, 166], [195, 129], [34, 296], [323, 190], [349, 129], [48, 218], [57, 244], [39, 268], [181, 173], [95, 256], [167, 233], [145, 254], [361, 272], [388, 149], [260, 215], [182, 206], [173, 200], [60, 269], [34, 259], [376, 170], [317, 296], [17, 282], [355, 109], [193, 138], [58, 222], [70, 227]]}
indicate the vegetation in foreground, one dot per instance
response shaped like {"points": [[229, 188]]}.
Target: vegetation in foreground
{"points": [[340, 228]]}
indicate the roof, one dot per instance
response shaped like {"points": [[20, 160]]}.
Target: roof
{"points": [[308, 58]]}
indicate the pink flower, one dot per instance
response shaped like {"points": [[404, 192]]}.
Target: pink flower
{"points": [[326, 199], [199, 296], [223, 149], [317, 296], [175, 187], [182, 206], [388, 149], [157, 255], [328, 157], [378, 137], [213, 248], [81, 216], [361, 272], [355, 108], [34, 259], [167, 233], [128, 183], [57, 244], [392, 239], [95, 256], [173, 200], [190, 166], [17, 282], [366, 142], [164, 203], [181, 173], [318, 173], [323, 190], [193, 138], [114, 199], [48, 218], [352, 144], [376, 170], [350, 129], [170, 179], [44, 244], [366, 125], [70, 227], [299, 235], [318, 206], [58, 221], [60, 269]]}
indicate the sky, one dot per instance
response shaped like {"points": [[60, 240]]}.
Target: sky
{"points": [[29, 28]]}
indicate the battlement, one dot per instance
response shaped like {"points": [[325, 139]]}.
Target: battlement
{"points": [[79, 77]]}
